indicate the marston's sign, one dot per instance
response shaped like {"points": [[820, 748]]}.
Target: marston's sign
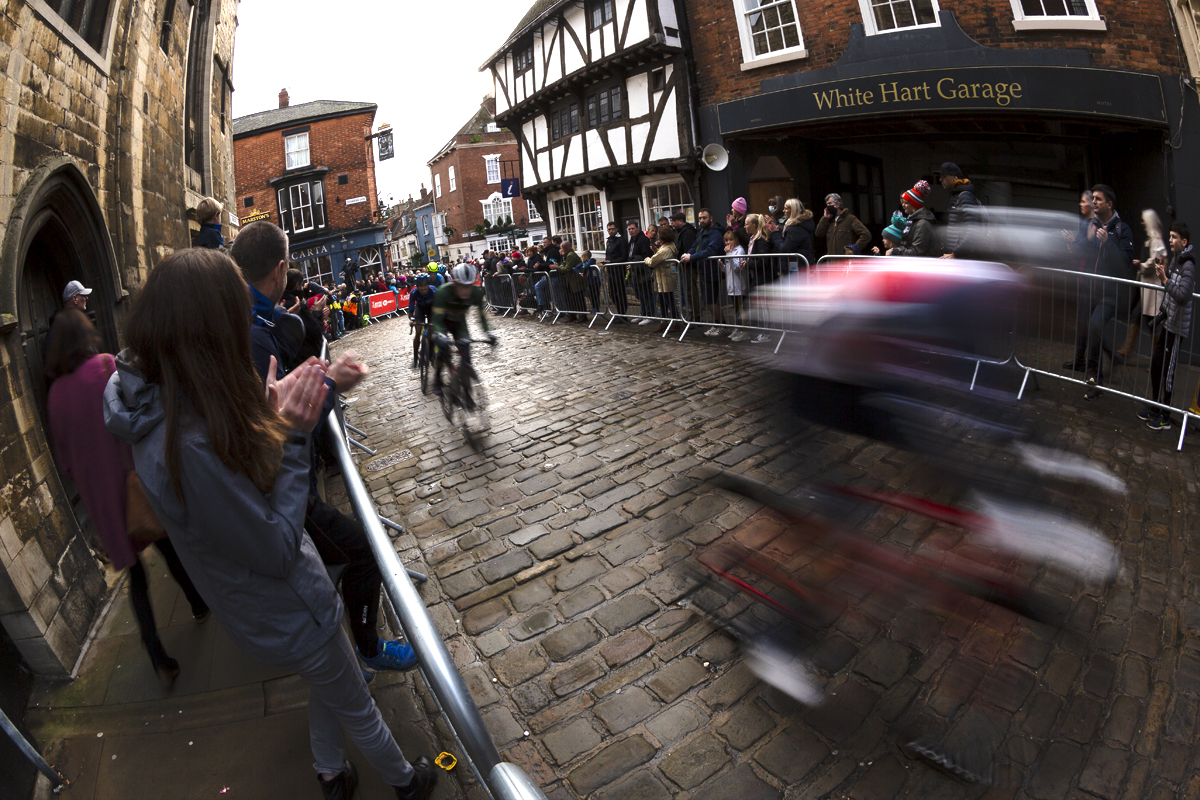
{"points": [[1063, 90], [255, 217]]}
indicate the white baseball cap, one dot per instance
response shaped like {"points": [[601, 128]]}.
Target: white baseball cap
{"points": [[75, 288]]}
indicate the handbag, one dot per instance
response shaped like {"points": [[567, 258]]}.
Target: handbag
{"points": [[141, 523]]}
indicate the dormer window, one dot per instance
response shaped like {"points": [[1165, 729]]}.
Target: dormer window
{"points": [[523, 59], [600, 12]]}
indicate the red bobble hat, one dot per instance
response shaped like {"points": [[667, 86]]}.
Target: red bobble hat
{"points": [[916, 195]]}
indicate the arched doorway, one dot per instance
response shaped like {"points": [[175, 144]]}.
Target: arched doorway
{"points": [[56, 233]]}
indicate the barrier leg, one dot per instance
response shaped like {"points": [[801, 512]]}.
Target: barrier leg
{"points": [[686, 326], [611, 319], [361, 433], [57, 780], [360, 446], [1023, 382], [1182, 431], [779, 344], [668, 330], [975, 376]]}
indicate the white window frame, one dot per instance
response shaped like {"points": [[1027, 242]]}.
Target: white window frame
{"points": [[501, 244], [289, 151], [590, 238], [666, 181], [868, 15], [1073, 22], [496, 208], [533, 214], [752, 61], [491, 165], [453, 184], [557, 218], [437, 185]]}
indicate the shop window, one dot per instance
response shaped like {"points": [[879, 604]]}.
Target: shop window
{"points": [[564, 218], [665, 199], [591, 226], [882, 16], [1032, 15], [564, 121], [769, 32], [604, 106]]}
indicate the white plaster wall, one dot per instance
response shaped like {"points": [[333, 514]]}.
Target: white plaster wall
{"points": [[639, 23], [637, 90], [596, 155], [638, 134], [618, 140], [576, 20], [666, 139], [574, 165]]}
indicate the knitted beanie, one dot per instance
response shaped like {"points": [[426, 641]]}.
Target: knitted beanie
{"points": [[893, 232], [739, 205], [917, 195]]}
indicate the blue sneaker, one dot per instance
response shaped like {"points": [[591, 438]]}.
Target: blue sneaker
{"points": [[391, 655]]}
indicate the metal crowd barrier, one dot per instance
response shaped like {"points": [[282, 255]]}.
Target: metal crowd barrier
{"points": [[502, 780], [1075, 318], [630, 284], [501, 296], [706, 287], [564, 299]]}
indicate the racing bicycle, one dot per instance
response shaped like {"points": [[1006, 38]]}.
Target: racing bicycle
{"points": [[464, 400]]}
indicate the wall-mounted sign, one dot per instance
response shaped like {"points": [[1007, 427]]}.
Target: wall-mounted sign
{"points": [[311, 252], [431, 252], [510, 187], [255, 217], [233, 220], [386, 150], [1063, 90], [354, 200]]}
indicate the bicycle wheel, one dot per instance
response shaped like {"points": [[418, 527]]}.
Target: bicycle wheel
{"points": [[450, 392], [423, 362]]}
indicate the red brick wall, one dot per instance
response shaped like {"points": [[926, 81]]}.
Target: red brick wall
{"points": [[338, 144], [1140, 36], [462, 206]]}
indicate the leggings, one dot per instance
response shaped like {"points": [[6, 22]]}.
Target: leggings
{"points": [[139, 590]]}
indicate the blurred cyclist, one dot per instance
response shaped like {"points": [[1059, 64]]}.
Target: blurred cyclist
{"points": [[451, 305], [420, 309]]}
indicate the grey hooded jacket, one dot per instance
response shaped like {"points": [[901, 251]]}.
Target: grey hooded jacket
{"points": [[1176, 308], [246, 552]]}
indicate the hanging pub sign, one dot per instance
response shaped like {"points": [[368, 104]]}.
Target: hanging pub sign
{"points": [[510, 188], [1076, 91], [255, 217], [386, 146]]}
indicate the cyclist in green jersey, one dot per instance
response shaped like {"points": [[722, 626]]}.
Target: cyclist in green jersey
{"points": [[451, 306]]}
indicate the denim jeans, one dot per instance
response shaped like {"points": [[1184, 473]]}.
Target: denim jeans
{"points": [[1101, 314]]}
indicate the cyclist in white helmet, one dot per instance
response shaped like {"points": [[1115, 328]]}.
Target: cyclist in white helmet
{"points": [[451, 306]]}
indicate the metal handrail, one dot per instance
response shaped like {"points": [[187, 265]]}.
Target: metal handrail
{"points": [[503, 781]]}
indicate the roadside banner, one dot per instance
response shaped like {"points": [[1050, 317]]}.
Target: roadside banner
{"points": [[387, 303]]}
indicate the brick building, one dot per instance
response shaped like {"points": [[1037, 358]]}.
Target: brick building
{"points": [[410, 231], [1035, 99], [116, 124], [467, 174], [600, 95], [310, 169]]}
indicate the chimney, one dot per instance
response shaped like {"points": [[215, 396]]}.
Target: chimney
{"points": [[489, 103], [283, 98]]}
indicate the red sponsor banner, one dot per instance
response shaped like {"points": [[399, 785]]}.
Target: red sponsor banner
{"points": [[387, 302]]}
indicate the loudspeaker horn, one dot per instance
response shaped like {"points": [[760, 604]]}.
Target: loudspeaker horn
{"points": [[715, 157]]}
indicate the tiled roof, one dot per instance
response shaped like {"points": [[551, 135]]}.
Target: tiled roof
{"points": [[277, 117]]}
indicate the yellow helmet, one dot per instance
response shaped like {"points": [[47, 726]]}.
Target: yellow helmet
{"points": [[433, 266]]}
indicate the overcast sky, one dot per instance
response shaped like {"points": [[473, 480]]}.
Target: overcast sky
{"points": [[418, 61]]}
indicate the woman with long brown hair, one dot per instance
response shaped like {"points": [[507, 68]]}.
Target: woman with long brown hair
{"points": [[225, 467], [98, 464]]}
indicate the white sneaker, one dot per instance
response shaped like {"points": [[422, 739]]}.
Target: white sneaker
{"points": [[635, 320], [646, 322], [713, 332], [762, 337], [740, 336]]}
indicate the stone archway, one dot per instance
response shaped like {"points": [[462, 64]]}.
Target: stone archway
{"points": [[50, 586]]}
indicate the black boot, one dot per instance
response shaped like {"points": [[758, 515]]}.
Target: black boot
{"points": [[342, 786], [165, 667], [423, 781]]}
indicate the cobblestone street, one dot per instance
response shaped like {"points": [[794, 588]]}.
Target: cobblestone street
{"points": [[550, 557]]}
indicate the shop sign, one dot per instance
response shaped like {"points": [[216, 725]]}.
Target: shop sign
{"points": [[1063, 90], [311, 252], [255, 217], [354, 200]]}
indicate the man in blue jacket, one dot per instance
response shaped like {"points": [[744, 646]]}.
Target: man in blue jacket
{"points": [[702, 257], [261, 252]]}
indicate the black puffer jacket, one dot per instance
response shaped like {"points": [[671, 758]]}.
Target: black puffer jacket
{"points": [[797, 238], [1176, 309], [918, 236], [964, 218]]}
